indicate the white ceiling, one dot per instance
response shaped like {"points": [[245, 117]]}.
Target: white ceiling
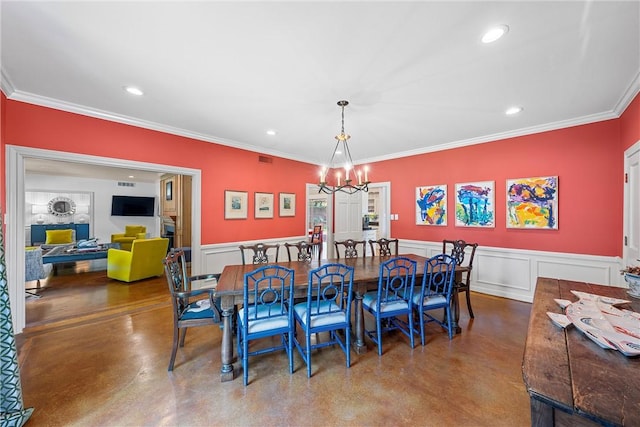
{"points": [[416, 74]]}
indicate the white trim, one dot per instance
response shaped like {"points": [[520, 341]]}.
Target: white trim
{"points": [[15, 225], [628, 153], [31, 98]]}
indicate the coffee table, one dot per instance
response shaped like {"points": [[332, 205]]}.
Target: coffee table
{"points": [[61, 254]]}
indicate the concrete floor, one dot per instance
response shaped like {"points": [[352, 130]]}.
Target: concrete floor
{"points": [[95, 353]]}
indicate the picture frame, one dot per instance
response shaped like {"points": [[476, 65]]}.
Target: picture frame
{"points": [[532, 203], [168, 193], [235, 204], [475, 206], [431, 205], [287, 204], [263, 206]]}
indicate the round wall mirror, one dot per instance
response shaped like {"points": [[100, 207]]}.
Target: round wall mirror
{"points": [[62, 206]]}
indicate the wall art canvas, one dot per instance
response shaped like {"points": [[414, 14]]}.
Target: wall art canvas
{"points": [[532, 203], [431, 205], [287, 204], [475, 204], [263, 205], [235, 204]]}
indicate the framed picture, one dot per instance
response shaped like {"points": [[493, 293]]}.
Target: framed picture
{"points": [[475, 204], [287, 204], [264, 205], [169, 190], [235, 204], [532, 203], [431, 205]]}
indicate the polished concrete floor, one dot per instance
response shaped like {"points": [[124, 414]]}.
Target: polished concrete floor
{"points": [[95, 353]]}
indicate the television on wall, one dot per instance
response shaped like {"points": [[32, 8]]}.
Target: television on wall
{"points": [[132, 206]]}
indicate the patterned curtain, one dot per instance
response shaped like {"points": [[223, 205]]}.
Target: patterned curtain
{"points": [[12, 411]]}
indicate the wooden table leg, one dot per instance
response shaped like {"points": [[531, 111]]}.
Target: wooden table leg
{"points": [[359, 344], [455, 306], [226, 348]]}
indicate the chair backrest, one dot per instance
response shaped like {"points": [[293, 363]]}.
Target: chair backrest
{"points": [[350, 248], [134, 230], [268, 292], [458, 249], [396, 280], [175, 268], [260, 252], [316, 236], [307, 251], [329, 290], [439, 274], [149, 250], [384, 247]]}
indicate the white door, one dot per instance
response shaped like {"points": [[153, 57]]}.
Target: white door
{"points": [[348, 216], [631, 248]]}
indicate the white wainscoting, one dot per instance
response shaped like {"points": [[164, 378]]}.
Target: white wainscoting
{"points": [[503, 272]]}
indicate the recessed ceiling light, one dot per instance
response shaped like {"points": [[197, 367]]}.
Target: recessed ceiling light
{"points": [[513, 110], [271, 132], [131, 176], [134, 90], [495, 33]]}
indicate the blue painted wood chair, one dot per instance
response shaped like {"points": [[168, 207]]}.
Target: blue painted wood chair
{"points": [[435, 292], [393, 300], [266, 312], [327, 309]]}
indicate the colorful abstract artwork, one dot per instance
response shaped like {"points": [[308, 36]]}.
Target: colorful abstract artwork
{"points": [[475, 205], [533, 203], [431, 205]]}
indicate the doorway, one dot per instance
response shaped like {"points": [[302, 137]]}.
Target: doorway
{"points": [[631, 217], [15, 224]]}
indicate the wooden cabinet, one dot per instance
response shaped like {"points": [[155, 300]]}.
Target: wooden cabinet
{"points": [[175, 202]]}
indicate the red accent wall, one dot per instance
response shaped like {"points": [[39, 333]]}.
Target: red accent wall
{"points": [[587, 160], [630, 124], [223, 168]]}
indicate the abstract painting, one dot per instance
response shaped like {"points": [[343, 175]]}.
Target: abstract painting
{"points": [[431, 205], [474, 204], [533, 203]]}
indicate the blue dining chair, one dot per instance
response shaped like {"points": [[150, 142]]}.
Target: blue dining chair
{"points": [[393, 299], [266, 312], [327, 309], [435, 292]]}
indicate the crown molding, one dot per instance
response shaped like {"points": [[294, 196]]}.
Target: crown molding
{"points": [[43, 101], [593, 118], [628, 95], [5, 83], [623, 103]]}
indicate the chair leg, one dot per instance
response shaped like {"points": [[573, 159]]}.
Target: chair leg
{"points": [[379, 337], [176, 334], [307, 356], [184, 334], [469, 303]]}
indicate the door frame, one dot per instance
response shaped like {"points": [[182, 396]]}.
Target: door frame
{"points": [[312, 191], [15, 217], [626, 229]]}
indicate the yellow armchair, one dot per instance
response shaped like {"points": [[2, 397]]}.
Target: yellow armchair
{"points": [[142, 261], [131, 233]]}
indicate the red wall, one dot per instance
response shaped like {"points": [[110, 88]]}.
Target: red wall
{"points": [[223, 168], [587, 160], [630, 124]]}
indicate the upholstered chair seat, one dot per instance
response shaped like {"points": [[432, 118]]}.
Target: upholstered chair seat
{"points": [[131, 233]]}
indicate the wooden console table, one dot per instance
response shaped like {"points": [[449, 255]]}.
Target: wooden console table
{"points": [[570, 379]]}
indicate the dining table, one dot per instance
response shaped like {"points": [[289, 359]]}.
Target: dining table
{"points": [[230, 289]]}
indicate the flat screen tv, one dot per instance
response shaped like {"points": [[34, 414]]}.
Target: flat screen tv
{"points": [[132, 206]]}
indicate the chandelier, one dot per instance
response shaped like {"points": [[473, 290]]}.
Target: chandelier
{"points": [[341, 160]]}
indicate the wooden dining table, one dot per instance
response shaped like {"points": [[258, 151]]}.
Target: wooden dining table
{"points": [[230, 289]]}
